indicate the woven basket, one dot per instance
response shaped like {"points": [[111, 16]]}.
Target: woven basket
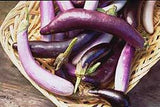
{"points": [[144, 59]]}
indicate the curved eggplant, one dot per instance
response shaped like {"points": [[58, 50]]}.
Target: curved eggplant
{"points": [[94, 20], [95, 53], [43, 49], [115, 98], [104, 74]]}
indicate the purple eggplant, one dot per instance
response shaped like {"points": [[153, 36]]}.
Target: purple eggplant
{"points": [[47, 14], [87, 19], [95, 53], [104, 3], [78, 3], [104, 74], [123, 68], [104, 38], [43, 49], [115, 98]]}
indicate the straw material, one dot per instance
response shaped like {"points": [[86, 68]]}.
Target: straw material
{"points": [[144, 59]]}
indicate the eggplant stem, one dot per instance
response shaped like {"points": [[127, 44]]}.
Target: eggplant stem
{"points": [[63, 57], [92, 68], [112, 11], [80, 72]]}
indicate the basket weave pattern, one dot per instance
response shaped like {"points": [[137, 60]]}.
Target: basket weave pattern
{"points": [[144, 59]]}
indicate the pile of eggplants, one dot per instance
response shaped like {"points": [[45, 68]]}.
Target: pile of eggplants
{"points": [[110, 40]]}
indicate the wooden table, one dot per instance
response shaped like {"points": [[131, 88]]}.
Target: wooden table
{"points": [[16, 91]]}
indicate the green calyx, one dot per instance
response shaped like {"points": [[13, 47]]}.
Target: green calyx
{"points": [[80, 72], [63, 57], [92, 68], [112, 11]]}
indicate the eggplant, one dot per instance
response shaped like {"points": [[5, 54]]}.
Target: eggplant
{"points": [[78, 3], [104, 3], [104, 38], [132, 12], [40, 76], [46, 15], [123, 68], [148, 15], [52, 49], [105, 72], [95, 53], [94, 20], [64, 5], [115, 98]]}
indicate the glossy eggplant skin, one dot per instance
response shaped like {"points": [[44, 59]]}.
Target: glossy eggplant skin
{"points": [[104, 3], [105, 72], [132, 12], [93, 20], [52, 49], [78, 3], [95, 53], [115, 98]]}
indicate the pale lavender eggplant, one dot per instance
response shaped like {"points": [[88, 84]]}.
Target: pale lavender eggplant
{"points": [[91, 5], [123, 68], [46, 15], [64, 5], [148, 15], [104, 38], [93, 20], [40, 76]]}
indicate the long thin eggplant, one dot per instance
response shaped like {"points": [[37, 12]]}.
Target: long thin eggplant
{"points": [[40, 76], [64, 5], [95, 53], [132, 12], [104, 3], [104, 74], [148, 15], [104, 38], [123, 68], [43, 49], [115, 98], [94, 20], [80, 3], [47, 14]]}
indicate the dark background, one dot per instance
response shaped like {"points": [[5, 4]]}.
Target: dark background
{"points": [[16, 91]]}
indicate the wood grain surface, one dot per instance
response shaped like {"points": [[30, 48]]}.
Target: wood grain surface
{"points": [[16, 91]]}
